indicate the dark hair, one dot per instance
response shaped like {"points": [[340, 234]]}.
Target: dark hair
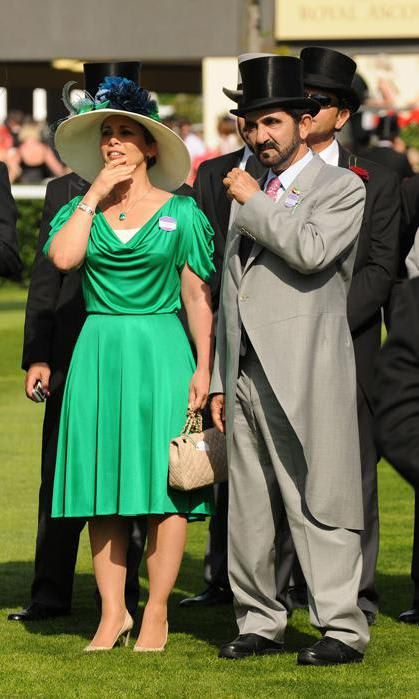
{"points": [[149, 139], [296, 114]]}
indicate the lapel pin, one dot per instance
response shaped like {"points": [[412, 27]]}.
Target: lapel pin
{"points": [[293, 198]]}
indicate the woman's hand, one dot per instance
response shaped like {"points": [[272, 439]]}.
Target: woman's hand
{"points": [[198, 389], [111, 174]]}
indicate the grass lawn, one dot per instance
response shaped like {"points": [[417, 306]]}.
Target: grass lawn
{"points": [[46, 660]]}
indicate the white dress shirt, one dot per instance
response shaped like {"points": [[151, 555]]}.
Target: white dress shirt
{"points": [[330, 155], [288, 176]]}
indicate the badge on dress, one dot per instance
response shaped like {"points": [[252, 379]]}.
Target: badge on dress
{"points": [[293, 198], [167, 223]]}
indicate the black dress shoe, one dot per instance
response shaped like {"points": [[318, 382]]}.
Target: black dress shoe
{"points": [[213, 595], [249, 644], [370, 616], [38, 612], [328, 651], [410, 617]]}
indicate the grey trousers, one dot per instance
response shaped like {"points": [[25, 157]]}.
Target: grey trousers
{"points": [[267, 472]]}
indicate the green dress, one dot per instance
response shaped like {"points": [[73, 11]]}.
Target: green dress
{"points": [[127, 387]]}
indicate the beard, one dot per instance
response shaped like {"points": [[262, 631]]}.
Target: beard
{"points": [[275, 156]]}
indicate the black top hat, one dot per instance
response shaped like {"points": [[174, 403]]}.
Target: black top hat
{"points": [[332, 71], [388, 127], [94, 73], [237, 94], [273, 81]]}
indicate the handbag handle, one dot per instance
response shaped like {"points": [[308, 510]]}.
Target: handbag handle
{"points": [[193, 422]]}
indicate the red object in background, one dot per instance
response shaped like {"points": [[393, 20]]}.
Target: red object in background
{"points": [[6, 140], [406, 118], [208, 155]]}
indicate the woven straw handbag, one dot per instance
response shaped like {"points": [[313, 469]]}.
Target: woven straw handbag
{"points": [[197, 457]]}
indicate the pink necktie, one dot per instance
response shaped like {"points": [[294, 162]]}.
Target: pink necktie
{"points": [[274, 185]]}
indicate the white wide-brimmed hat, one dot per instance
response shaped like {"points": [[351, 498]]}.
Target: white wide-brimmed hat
{"points": [[77, 140]]}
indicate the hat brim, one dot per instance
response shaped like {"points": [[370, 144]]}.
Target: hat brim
{"points": [[77, 141], [314, 80], [311, 106], [234, 95]]}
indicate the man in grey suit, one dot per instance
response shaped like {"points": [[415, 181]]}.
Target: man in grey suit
{"points": [[284, 375]]}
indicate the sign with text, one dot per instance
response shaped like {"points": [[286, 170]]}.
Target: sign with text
{"points": [[304, 20]]}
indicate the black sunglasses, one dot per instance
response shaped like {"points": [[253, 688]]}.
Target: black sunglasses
{"points": [[323, 100]]}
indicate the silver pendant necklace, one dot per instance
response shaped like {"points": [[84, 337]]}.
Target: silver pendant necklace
{"points": [[123, 214]]}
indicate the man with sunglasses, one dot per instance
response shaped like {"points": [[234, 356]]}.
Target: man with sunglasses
{"points": [[328, 77]]}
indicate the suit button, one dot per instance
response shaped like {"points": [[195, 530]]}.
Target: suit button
{"points": [[243, 297]]}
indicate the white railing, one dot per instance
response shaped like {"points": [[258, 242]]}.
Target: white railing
{"points": [[28, 191]]}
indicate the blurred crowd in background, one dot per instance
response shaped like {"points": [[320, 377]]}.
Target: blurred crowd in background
{"points": [[378, 131]]}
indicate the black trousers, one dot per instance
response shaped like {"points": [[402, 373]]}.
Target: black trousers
{"points": [[415, 555], [215, 563], [58, 539]]}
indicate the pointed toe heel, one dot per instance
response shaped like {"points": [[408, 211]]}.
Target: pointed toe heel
{"points": [[121, 638], [144, 649]]}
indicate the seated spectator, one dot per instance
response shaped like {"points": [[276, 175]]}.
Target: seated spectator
{"points": [[193, 143], [14, 122], [227, 130], [6, 142], [33, 161]]}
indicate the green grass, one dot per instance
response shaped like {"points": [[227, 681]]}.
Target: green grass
{"points": [[46, 660]]}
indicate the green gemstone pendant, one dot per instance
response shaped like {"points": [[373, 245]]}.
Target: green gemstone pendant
{"points": [[122, 216]]}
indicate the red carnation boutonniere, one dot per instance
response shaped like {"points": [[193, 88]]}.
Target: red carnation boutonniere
{"points": [[363, 174]]}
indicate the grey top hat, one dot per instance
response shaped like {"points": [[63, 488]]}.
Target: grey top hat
{"points": [[237, 94]]}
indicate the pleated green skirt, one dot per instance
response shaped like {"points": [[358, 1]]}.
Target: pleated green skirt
{"points": [[125, 398]]}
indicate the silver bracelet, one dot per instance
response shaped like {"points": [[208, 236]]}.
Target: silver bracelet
{"points": [[85, 207]]}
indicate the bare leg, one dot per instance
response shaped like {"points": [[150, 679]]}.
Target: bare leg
{"points": [[109, 543], [165, 546]]}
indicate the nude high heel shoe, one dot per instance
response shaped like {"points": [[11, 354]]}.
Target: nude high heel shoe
{"points": [[122, 636], [143, 649]]}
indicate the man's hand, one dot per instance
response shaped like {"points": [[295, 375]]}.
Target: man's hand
{"points": [[37, 372], [240, 185], [218, 411]]}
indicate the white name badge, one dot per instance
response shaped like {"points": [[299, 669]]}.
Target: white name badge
{"points": [[167, 223]]}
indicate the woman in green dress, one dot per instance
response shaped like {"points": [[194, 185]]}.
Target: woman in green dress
{"points": [[132, 374]]}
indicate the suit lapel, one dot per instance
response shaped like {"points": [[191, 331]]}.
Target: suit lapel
{"points": [[343, 157], [222, 203], [303, 182]]}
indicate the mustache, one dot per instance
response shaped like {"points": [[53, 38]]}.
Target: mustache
{"points": [[267, 144]]}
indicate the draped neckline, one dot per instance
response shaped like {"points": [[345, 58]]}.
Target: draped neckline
{"points": [[145, 225]]}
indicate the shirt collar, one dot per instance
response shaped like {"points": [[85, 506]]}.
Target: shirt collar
{"points": [[330, 155], [288, 176], [245, 157]]}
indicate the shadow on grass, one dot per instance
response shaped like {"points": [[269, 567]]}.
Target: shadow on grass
{"points": [[12, 305], [211, 625]]}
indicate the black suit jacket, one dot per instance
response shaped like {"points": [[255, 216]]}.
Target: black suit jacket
{"points": [[211, 197], [396, 392], [410, 220], [55, 309], [375, 264], [10, 264], [395, 161]]}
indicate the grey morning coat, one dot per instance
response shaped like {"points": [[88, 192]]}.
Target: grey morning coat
{"points": [[291, 300]]}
